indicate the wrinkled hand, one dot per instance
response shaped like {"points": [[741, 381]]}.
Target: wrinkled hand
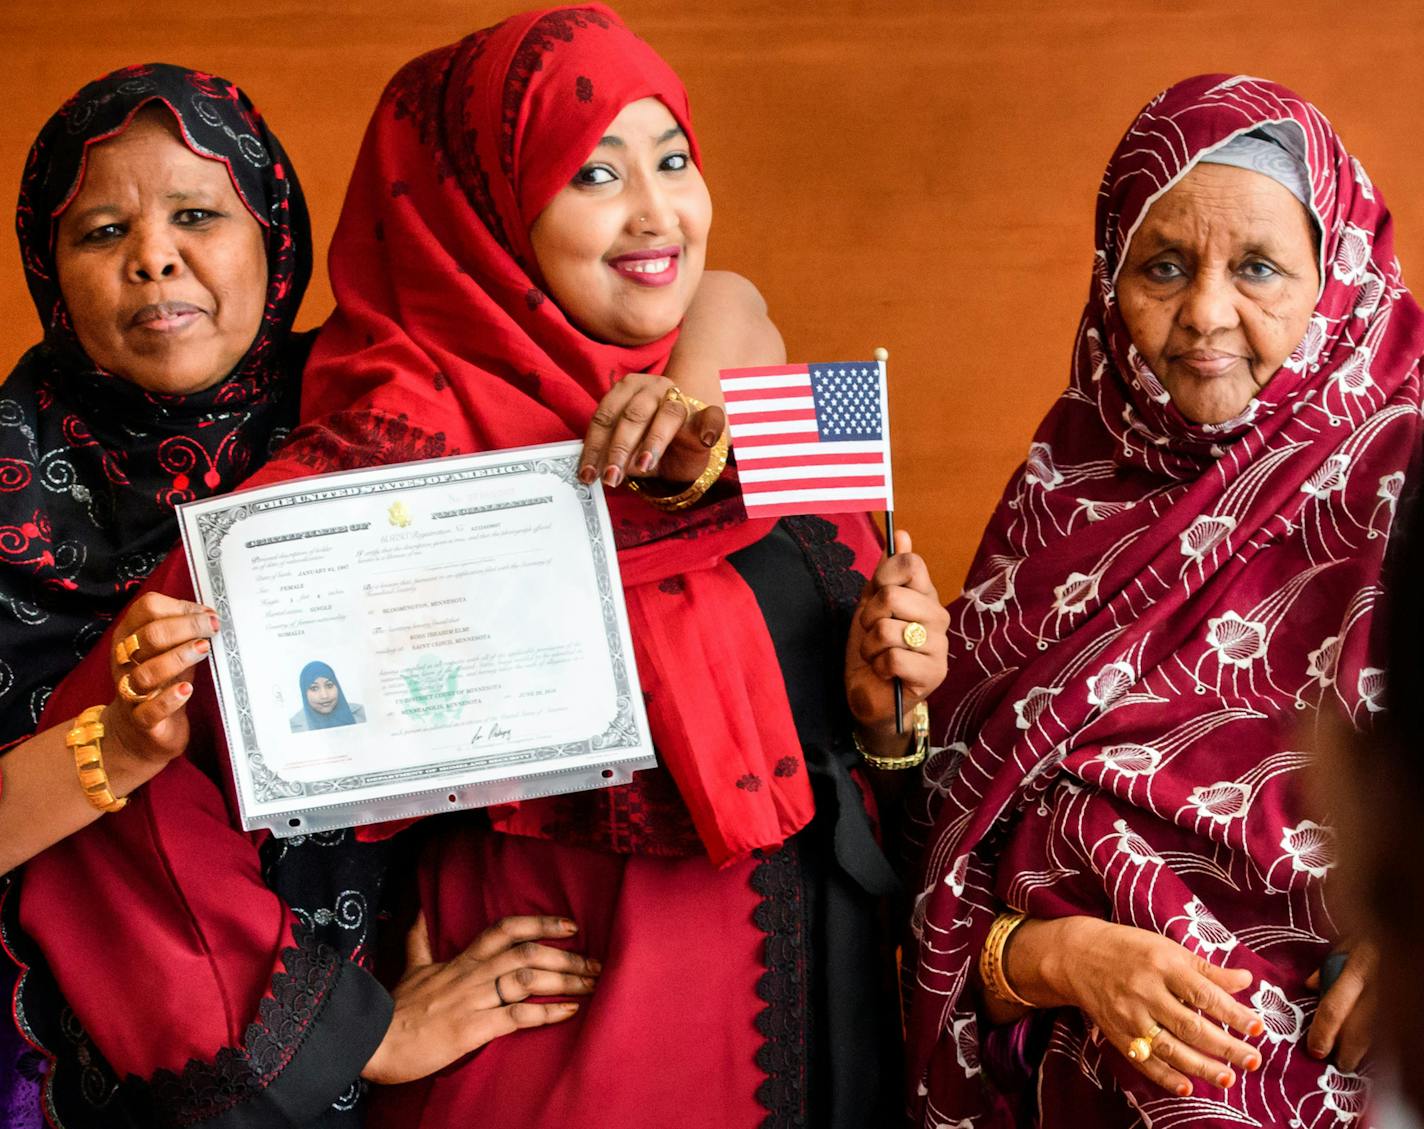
{"points": [[446, 1010], [899, 593], [637, 431], [1125, 979], [173, 638], [1346, 1014]]}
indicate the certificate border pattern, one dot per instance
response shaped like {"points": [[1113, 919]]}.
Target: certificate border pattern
{"points": [[268, 786]]}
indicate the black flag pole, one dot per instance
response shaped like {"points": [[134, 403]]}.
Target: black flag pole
{"points": [[883, 355]]}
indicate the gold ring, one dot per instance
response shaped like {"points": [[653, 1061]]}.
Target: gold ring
{"points": [[673, 395], [126, 648], [132, 696], [1140, 1049], [915, 635]]}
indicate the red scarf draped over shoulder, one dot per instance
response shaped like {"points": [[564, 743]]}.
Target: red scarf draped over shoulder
{"points": [[443, 341], [1156, 607]]}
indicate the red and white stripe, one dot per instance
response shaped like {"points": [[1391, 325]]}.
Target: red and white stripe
{"points": [[784, 465]]}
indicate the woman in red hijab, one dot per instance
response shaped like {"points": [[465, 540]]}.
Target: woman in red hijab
{"points": [[1124, 879], [524, 231], [730, 894]]}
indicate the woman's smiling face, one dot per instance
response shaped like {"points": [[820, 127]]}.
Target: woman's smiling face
{"points": [[622, 246], [323, 694], [1218, 287], [162, 267]]}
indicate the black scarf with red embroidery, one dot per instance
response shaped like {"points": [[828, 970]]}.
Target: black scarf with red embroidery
{"points": [[91, 465]]}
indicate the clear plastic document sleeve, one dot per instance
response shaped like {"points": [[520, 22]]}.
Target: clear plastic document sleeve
{"points": [[409, 639]]}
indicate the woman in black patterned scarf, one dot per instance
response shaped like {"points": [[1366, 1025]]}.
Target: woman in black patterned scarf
{"points": [[166, 245]]}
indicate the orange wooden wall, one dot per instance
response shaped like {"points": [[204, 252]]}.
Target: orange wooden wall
{"points": [[913, 173]]}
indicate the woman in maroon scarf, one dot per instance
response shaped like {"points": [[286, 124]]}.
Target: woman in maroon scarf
{"points": [[524, 231], [1179, 577]]}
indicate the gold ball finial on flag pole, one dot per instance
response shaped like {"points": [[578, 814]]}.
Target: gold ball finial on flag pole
{"points": [[882, 355]]}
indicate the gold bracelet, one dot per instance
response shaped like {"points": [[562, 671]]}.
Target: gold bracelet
{"points": [[991, 958], [84, 738], [919, 746], [716, 464]]}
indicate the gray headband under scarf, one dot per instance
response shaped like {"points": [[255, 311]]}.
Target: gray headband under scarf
{"points": [[1271, 153]]}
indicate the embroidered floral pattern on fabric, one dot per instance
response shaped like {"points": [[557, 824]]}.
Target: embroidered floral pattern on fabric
{"points": [[784, 1021], [1153, 606], [206, 1089], [830, 560], [555, 28], [345, 440], [418, 90], [329, 879], [644, 817]]}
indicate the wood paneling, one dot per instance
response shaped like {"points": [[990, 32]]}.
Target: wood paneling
{"points": [[913, 173]]}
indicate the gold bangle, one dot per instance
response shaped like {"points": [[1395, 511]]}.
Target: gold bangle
{"points": [[716, 464], [919, 746], [991, 958], [84, 738]]}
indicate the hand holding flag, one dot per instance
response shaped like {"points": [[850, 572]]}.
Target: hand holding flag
{"points": [[814, 438]]}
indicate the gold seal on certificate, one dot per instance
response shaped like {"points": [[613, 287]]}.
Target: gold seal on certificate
{"points": [[409, 639]]}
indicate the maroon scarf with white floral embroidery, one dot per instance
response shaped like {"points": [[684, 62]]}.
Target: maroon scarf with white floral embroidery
{"points": [[1156, 612]]}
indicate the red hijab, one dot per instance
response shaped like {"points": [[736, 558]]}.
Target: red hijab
{"points": [[1155, 608], [443, 341]]}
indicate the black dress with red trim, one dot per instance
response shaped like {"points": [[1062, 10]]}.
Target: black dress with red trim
{"points": [[831, 1030]]}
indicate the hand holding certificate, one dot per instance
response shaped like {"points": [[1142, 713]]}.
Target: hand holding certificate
{"points": [[410, 639]]}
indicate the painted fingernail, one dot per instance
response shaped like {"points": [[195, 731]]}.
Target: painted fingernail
{"points": [[215, 623], [569, 925], [587, 474], [1256, 1027], [1225, 1078], [568, 1009], [588, 981], [595, 965], [709, 438], [1253, 1062], [202, 646], [644, 463], [1184, 1090], [612, 476], [184, 689]]}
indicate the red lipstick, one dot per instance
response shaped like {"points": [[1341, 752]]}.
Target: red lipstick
{"points": [[654, 266]]}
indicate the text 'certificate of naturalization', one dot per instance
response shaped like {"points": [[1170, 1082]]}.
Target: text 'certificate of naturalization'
{"points": [[409, 639]]}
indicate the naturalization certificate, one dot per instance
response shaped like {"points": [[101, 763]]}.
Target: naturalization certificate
{"points": [[408, 639]]}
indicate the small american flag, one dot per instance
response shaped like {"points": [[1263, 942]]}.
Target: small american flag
{"points": [[811, 438]]}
